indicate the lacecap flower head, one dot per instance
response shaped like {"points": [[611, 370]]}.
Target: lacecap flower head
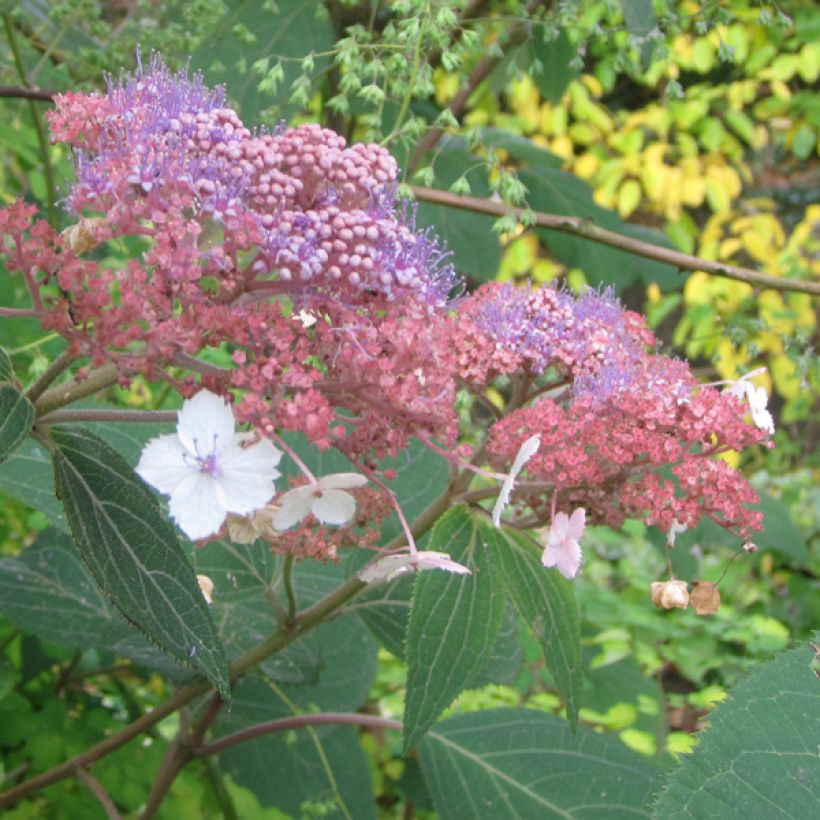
{"points": [[207, 469]]}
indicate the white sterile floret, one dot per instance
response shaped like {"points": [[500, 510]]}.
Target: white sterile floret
{"points": [[389, 567], [757, 398], [325, 498], [527, 450], [207, 469], [675, 530]]}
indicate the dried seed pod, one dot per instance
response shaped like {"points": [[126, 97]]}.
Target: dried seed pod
{"points": [[81, 236], [705, 598], [671, 594]]}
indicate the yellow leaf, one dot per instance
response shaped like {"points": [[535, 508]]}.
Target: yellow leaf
{"points": [[545, 270], [758, 247], [731, 457], [558, 121], [703, 56], [729, 247], [693, 191], [583, 133], [783, 68], [447, 86], [593, 84], [629, 197], [586, 165], [717, 196], [781, 90], [809, 68], [563, 147]]}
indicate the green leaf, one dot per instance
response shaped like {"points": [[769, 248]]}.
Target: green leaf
{"points": [[475, 247], [640, 19], [47, 592], [6, 368], [546, 602], [27, 475], [242, 575], [558, 192], [519, 763], [16, 419], [520, 148], [506, 657], [249, 33], [758, 756], [453, 623], [345, 676], [554, 56], [295, 771], [779, 532], [133, 552]]}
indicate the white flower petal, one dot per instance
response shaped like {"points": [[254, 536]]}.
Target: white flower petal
{"points": [[335, 507], [527, 450], [294, 505], [247, 476], [342, 481], [162, 463], [206, 423], [675, 530], [758, 399], [195, 506]]}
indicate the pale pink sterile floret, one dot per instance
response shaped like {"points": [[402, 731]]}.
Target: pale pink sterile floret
{"points": [[207, 469], [562, 549], [390, 567], [325, 498]]}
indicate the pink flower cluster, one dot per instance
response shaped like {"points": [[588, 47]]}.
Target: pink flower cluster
{"points": [[604, 453], [288, 250]]}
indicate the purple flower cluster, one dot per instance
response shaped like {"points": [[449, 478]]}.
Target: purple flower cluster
{"points": [[321, 215], [589, 337]]}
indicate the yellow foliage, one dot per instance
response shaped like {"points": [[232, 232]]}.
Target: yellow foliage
{"points": [[629, 197], [731, 457], [586, 165], [447, 86]]}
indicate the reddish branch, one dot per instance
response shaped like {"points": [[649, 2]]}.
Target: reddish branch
{"points": [[23, 93], [587, 230], [296, 722]]}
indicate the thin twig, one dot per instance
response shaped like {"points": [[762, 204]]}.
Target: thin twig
{"points": [[287, 581], [59, 396], [105, 414], [296, 722], [42, 139], [95, 787], [479, 73], [23, 93], [587, 230], [57, 367]]}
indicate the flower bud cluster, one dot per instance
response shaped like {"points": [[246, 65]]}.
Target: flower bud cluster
{"points": [[243, 236]]}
